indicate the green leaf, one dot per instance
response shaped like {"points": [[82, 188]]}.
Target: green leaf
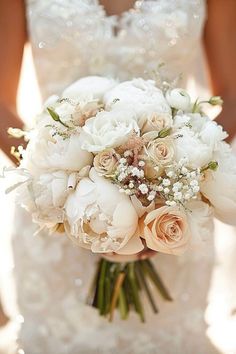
{"points": [[53, 114], [143, 280], [56, 116], [164, 133], [151, 271]]}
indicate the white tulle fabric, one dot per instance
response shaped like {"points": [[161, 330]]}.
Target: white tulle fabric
{"points": [[71, 39]]}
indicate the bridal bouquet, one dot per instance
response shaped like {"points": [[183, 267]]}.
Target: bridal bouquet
{"points": [[126, 169]]}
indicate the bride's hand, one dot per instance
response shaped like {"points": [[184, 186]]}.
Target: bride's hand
{"points": [[113, 257]]}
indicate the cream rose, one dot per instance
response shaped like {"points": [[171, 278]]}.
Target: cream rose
{"points": [[105, 161], [151, 171], [166, 230], [161, 151], [157, 121]]}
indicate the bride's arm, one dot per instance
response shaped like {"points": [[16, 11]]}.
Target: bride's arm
{"points": [[220, 46], [12, 40]]}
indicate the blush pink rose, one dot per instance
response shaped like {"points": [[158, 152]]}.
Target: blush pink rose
{"points": [[166, 230]]}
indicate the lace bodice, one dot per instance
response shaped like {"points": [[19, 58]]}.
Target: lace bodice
{"points": [[71, 39], [79, 39]]}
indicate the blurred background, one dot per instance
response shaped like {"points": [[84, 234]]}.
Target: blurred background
{"points": [[221, 310]]}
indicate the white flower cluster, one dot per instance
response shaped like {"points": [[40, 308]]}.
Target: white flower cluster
{"points": [[181, 183], [116, 165]]}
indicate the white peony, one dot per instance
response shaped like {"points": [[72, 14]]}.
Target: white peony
{"points": [[178, 99], [90, 87], [219, 187], [101, 218], [46, 195], [53, 189], [108, 129], [45, 152], [139, 95]]}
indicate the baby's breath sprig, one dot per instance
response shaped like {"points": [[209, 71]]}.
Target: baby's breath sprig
{"points": [[179, 184]]}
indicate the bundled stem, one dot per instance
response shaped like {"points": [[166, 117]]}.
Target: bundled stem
{"points": [[121, 286]]}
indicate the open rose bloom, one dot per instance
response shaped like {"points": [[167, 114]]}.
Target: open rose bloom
{"points": [[126, 167]]}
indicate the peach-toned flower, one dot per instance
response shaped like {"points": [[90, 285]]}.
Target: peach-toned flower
{"points": [[151, 171], [105, 161], [161, 151], [166, 230], [157, 121]]}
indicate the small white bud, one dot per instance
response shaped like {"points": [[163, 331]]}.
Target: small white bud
{"points": [[166, 182], [141, 163], [122, 161], [196, 189]]}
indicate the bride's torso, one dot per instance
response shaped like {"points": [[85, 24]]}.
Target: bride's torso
{"points": [[71, 39], [76, 38]]}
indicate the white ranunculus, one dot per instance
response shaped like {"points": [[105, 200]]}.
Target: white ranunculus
{"points": [[90, 87], [55, 153], [101, 218], [208, 131], [188, 145], [108, 129], [139, 95], [212, 134], [219, 187], [199, 137], [178, 99]]}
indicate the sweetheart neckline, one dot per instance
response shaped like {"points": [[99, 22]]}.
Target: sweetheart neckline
{"points": [[122, 14]]}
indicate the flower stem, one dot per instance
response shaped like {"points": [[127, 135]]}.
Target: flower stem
{"points": [[101, 288], [135, 291], [115, 295], [156, 279], [143, 280], [91, 298], [123, 306]]}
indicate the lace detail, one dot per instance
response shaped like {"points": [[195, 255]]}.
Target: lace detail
{"points": [[71, 39], [79, 39]]}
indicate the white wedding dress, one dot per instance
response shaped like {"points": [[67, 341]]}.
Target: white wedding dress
{"points": [[71, 39]]}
